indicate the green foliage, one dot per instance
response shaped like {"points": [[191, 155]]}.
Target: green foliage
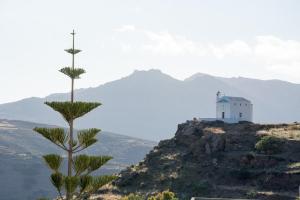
{"points": [[87, 137], [71, 111], [133, 197], [97, 161], [73, 51], [71, 183], [55, 135], [57, 180], [165, 195], [72, 73], [100, 181], [81, 163], [53, 161], [251, 194], [269, 145], [74, 143], [84, 163], [85, 182], [78, 184]]}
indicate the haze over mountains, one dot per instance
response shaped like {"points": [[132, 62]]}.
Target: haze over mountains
{"points": [[149, 104]]}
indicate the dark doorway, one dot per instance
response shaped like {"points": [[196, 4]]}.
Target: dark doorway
{"points": [[223, 115]]}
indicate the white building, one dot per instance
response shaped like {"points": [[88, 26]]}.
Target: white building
{"points": [[233, 109]]}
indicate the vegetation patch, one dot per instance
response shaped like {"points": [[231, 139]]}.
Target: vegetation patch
{"points": [[291, 132], [165, 195], [269, 145], [252, 194], [77, 183], [133, 197]]}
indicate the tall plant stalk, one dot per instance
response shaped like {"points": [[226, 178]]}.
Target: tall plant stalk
{"points": [[78, 183]]}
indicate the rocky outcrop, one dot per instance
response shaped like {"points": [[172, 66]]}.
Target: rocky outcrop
{"points": [[216, 159]]}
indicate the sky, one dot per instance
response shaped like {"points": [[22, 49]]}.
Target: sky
{"points": [[248, 38]]}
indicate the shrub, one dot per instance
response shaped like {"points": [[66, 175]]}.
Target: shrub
{"points": [[269, 145], [251, 194], [165, 195], [133, 197]]}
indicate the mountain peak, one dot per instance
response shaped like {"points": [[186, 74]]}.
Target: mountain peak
{"points": [[197, 75], [152, 71], [151, 74]]}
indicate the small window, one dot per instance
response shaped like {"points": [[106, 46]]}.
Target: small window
{"points": [[223, 115], [245, 104], [241, 115], [240, 104]]}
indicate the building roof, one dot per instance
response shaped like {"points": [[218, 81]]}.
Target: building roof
{"points": [[229, 98]]}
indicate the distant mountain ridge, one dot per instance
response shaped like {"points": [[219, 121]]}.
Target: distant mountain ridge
{"points": [[21, 163], [18, 138], [148, 104]]}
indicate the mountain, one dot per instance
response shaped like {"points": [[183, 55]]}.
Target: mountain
{"points": [[25, 176], [219, 160], [133, 104]]}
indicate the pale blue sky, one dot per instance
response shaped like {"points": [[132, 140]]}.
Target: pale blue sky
{"points": [[254, 38]]}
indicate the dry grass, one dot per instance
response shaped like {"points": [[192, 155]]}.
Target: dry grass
{"points": [[170, 156], [291, 132], [293, 168], [214, 130], [294, 165]]}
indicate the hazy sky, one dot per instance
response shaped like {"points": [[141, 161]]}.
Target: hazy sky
{"points": [[254, 38]]}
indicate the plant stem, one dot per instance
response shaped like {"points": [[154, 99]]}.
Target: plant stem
{"points": [[70, 151]]}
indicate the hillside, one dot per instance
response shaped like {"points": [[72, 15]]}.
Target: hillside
{"points": [[215, 159], [21, 163], [132, 105]]}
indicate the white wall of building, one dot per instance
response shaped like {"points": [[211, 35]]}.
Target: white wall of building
{"points": [[223, 107], [241, 111], [235, 110]]}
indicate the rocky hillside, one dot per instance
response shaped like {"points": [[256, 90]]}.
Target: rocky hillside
{"points": [[215, 159]]}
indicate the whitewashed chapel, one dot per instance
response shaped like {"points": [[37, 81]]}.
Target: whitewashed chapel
{"points": [[233, 109]]}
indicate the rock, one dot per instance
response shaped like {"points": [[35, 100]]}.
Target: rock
{"points": [[219, 154], [207, 148]]}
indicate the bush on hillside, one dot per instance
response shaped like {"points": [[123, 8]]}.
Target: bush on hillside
{"points": [[133, 197], [165, 195], [251, 194], [269, 145]]}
